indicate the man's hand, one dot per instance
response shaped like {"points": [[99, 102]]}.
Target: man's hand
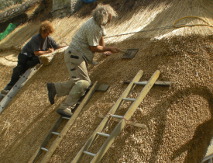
{"points": [[107, 53], [114, 50], [50, 50], [102, 49]]}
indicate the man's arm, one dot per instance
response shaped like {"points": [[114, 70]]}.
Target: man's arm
{"points": [[101, 42], [53, 44], [50, 50], [59, 47], [102, 48], [38, 53]]}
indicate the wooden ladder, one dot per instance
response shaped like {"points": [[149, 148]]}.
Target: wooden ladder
{"points": [[63, 132], [19, 84], [122, 119], [209, 154]]}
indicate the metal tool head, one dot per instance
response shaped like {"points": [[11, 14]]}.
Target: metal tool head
{"points": [[102, 87], [130, 53]]}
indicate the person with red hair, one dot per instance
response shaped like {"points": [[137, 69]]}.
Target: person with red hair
{"points": [[38, 45]]}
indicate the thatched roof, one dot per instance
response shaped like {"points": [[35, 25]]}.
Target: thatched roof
{"points": [[179, 118]]}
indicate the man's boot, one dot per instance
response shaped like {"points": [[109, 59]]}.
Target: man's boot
{"points": [[51, 92]]}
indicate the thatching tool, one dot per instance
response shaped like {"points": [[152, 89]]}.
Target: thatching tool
{"points": [[129, 53], [102, 87]]}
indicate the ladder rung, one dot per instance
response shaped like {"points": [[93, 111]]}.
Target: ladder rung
{"points": [[55, 133], [89, 153], [141, 83], [129, 99], [117, 116], [44, 149], [67, 118], [103, 134]]}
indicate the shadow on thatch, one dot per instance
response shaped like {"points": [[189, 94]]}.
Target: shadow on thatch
{"points": [[35, 128], [202, 135]]}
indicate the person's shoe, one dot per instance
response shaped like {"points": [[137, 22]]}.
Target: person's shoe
{"points": [[51, 92], [65, 112], [1, 96], [4, 91]]}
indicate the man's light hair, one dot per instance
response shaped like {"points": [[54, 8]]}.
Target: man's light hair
{"points": [[102, 12]]}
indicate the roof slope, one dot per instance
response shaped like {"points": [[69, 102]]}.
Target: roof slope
{"points": [[179, 119]]}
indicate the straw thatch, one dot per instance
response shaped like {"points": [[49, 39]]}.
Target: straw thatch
{"points": [[179, 119]]}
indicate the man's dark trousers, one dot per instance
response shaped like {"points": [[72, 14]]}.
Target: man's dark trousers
{"points": [[24, 62]]}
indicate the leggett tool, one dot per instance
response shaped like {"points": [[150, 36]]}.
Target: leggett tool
{"points": [[129, 53]]}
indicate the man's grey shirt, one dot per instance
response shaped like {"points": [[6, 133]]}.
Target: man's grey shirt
{"points": [[89, 34]]}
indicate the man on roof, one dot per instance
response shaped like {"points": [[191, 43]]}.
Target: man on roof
{"points": [[80, 53], [38, 45]]}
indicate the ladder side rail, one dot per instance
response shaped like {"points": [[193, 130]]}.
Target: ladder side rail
{"points": [[117, 130], [69, 124], [104, 121], [208, 158], [19, 84], [45, 142], [127, 116], [142, 95]]}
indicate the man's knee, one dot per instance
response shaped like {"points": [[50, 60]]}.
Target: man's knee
{"points": [[18, 69], [80, 87], [32, 62], [82, 84]]}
